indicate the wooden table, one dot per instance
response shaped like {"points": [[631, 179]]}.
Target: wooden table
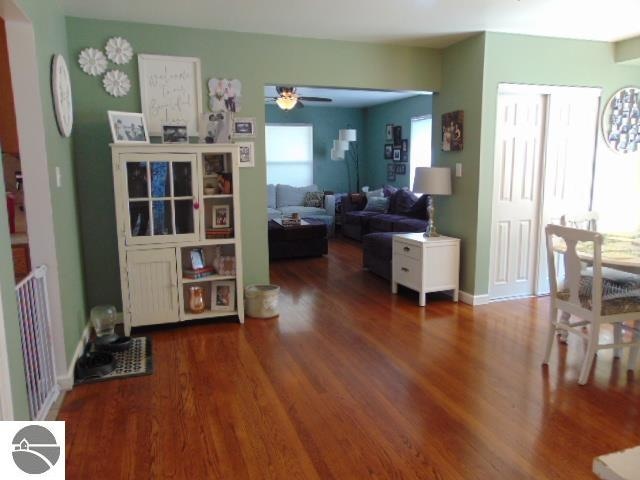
{"points": [[620, 251]]}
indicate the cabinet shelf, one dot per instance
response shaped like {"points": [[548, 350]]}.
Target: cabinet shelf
{"points": [[209, 314], [218, 195], [209, 278]]}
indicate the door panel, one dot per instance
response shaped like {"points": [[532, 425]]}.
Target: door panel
{"points": [[153, 286], [519, 141]]}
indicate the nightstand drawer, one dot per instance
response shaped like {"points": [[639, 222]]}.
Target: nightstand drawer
{"points": [[407, 249], [407, 271]]}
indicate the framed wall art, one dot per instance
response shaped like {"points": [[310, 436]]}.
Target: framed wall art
{"points": [[170, 91], [453, 131], [621, 121], [247, 154]]}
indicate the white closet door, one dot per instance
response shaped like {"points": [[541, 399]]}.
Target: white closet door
{"points": [[568, 177], [519, 151], [153, 286]]}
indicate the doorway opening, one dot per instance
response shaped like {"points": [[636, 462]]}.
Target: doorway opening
{"points": [[543, 168]]}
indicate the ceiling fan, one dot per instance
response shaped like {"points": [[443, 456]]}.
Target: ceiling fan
{"points": [[289, 99]]}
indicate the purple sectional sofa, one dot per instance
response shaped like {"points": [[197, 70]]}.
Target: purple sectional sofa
{"points": [[406, 213]]}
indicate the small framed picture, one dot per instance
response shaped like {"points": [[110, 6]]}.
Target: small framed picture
{"points": [[401, 169], [405, 145], [388, 151], [397, 135], [244, 127], [391, 172], [396, 154], [215, 127], [223, 296], [213, 164], [221, 216], [388, 132], [197, 258], [174, 133], [247, 155], [128, 127]]}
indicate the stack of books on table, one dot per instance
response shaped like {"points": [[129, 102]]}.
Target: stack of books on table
{"points": [[198, 272], [220, 232]]}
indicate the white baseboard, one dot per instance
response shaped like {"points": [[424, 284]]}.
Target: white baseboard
{"points": [[65, 382], [473, 299]]}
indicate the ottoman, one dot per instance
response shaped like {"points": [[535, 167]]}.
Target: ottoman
{"points": [[299, 241], [377, 252]]}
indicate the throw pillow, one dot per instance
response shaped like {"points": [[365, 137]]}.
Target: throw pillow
{"points": [[377, 204], [374, 193], [402, 201], [419, 209], [389, 190], [314, 199]]}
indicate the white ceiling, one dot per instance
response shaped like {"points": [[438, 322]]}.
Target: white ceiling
{"points": [[343, 97], [433, 23]]}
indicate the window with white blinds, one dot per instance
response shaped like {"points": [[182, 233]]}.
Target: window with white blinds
{"points": [[289, 154]]}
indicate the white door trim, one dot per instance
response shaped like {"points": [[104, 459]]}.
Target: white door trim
{"points": [[35, 164], [6, 400]]}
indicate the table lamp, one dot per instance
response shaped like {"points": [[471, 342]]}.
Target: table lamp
{"points": [[432, 181]]}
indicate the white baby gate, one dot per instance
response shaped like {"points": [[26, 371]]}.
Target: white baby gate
{"points": [[35, 329]]}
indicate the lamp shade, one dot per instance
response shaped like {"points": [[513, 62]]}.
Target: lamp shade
{"points": [[432, 180], [348, 134], [337, 154], [341, 145]]}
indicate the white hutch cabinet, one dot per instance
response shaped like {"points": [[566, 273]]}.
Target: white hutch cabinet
{"points": [[175, 203]]}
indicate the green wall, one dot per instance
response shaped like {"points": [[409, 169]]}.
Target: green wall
{"points": [[50, 37], [328, 174], [257, 60], [542, 61], [398, 112], [456, 215]]}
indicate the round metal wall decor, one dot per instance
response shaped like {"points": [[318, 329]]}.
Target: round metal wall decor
{"points": [[61, 90], [621, 121]]}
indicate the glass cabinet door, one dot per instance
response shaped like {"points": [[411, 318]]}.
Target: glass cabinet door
{"points": [[161, 197]]}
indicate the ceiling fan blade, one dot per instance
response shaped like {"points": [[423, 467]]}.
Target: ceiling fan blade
{"points": [[299, 104], [316, 99]]}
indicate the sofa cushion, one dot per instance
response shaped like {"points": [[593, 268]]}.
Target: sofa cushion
{"points": [[377, 204], [384, 222], [359, 217], [286, 195], [273, 213], [419, 209], [408, 224], [303, 211], [401, 201], [271, 196], [314, 199]]}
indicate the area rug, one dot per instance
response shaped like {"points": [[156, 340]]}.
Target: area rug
{"points": [[134, 362]]}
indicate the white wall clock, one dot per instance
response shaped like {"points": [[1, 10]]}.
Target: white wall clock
{"points": [[61, 90]]}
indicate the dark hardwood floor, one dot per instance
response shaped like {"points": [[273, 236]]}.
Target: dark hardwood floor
{"points": [[352, 382]]}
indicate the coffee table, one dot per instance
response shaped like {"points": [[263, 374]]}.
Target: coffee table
{"points": [[308, 240]]}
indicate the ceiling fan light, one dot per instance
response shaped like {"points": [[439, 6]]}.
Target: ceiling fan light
{"points": [[348, 134], [287, 102]]}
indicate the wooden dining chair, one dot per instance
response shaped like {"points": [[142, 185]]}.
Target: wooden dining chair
{"points": [[581, 296]]}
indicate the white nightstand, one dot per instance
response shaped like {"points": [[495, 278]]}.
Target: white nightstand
{"points": [[426, 264]]}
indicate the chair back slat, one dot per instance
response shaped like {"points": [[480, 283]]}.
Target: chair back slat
{"points": [[565, 240]]}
